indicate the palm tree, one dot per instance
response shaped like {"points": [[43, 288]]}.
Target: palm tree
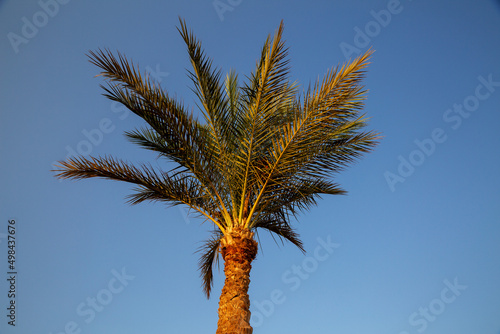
{"points": [[262, 154]]}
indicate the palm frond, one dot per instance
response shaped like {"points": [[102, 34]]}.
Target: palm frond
{"points": [[268, 86], [208, 260], [217, 112], [281, 228], [146, 99], [151, 185], [208, 88], [303, 147]]}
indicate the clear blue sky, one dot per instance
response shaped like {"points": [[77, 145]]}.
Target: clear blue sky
{"points": [[414, 247]]}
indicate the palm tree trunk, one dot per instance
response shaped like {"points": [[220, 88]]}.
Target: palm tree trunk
{"points": [[238, 250]]}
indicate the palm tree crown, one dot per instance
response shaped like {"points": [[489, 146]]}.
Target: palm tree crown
{"points": [[262, 153]]}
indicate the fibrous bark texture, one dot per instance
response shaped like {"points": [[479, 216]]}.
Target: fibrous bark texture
{"points": [[238, 249]]}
